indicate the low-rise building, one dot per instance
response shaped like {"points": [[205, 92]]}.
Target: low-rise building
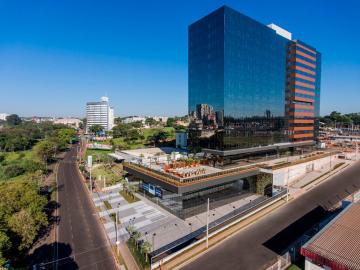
{"points": [[71, 122], [3, 116], [336, 246], [132, 119]]}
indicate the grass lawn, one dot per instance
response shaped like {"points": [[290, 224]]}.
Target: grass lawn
{"points": [[294, 267], [128, 197], [111, 178], [107, 205], [12, 156], [146, 132], [124, 145], [96, 153]]}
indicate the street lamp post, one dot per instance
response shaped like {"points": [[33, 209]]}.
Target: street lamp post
{"points": [[153, 241], [90, 181]]}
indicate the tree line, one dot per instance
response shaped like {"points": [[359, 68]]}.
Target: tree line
{"points": [[23, 200], [338, 118]]}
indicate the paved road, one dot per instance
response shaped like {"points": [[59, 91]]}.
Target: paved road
{"points": [[81, 240], [245, 250]]}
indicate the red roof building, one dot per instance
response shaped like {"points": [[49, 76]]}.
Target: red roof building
{"points": [[337, 246]]}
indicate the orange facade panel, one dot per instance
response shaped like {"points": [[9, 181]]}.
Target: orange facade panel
{"points": [[298, 60], [301, 121], [303, 69], [296, 75], [303, 47], [302, 99], [301, 128], [311, 86], [301, 106], [302, 114], [309, 93], [298, 52], [304, 135]]}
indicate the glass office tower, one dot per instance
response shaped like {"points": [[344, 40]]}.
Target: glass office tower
{"points": [[238, 83]]}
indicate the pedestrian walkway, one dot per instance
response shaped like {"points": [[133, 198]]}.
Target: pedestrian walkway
{"points": [[140, 215], [127, 256]]}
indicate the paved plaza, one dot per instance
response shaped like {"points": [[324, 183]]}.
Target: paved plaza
{"points": [[156, 225]]}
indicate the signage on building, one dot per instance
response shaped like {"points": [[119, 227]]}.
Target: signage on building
{"points": [[153, 190]]}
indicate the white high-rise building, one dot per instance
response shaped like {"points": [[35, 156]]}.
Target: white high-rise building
{"points": [[100, 113]]}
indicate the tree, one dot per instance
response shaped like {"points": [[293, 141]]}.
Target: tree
{"points": [[82, 124], [150, 121], [45, 150], [158, 137], [13, 170], [66, 134], [13, 120], [170, 122], [5, 245], [136, 236], [21, 217], [120, 130], [146, 248], [24, 225], [131, 229], [96, 129], [136, 124]]}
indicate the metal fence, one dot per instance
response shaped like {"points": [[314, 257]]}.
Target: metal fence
{"points": [[283, 262]]}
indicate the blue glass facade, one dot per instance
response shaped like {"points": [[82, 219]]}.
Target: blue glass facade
{"points": [[237, 81]]}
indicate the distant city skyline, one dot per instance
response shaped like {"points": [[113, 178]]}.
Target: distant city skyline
{"points": [[55, 57]]}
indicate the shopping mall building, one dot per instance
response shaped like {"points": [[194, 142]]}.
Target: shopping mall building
{"points": [[253, 90]]}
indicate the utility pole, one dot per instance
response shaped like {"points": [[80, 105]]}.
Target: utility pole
{"points": [[90, 182], [287, 185], [89, 162], [207, 223], [330, 160]]}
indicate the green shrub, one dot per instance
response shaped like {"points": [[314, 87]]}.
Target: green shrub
{"points": [[2, 158], [32, 166], [107, 205], [13, 170]]}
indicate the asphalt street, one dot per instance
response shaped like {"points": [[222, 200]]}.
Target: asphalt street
{"points": [[81, 242], [245, 250]]}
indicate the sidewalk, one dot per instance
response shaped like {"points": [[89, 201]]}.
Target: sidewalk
{"points": [[127, 256]]}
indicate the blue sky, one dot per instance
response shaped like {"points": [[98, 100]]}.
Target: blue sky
{"points": [[57, 55]]}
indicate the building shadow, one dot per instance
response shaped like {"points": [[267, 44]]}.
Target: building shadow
{"points": [[52, 256], [293, 237]]}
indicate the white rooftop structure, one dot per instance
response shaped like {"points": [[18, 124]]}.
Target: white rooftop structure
{"points": [[3, 116], [280, 31]]}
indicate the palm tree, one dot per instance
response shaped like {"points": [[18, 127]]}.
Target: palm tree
{"points": [[136, 236], [131, 229], [146, 248]]}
